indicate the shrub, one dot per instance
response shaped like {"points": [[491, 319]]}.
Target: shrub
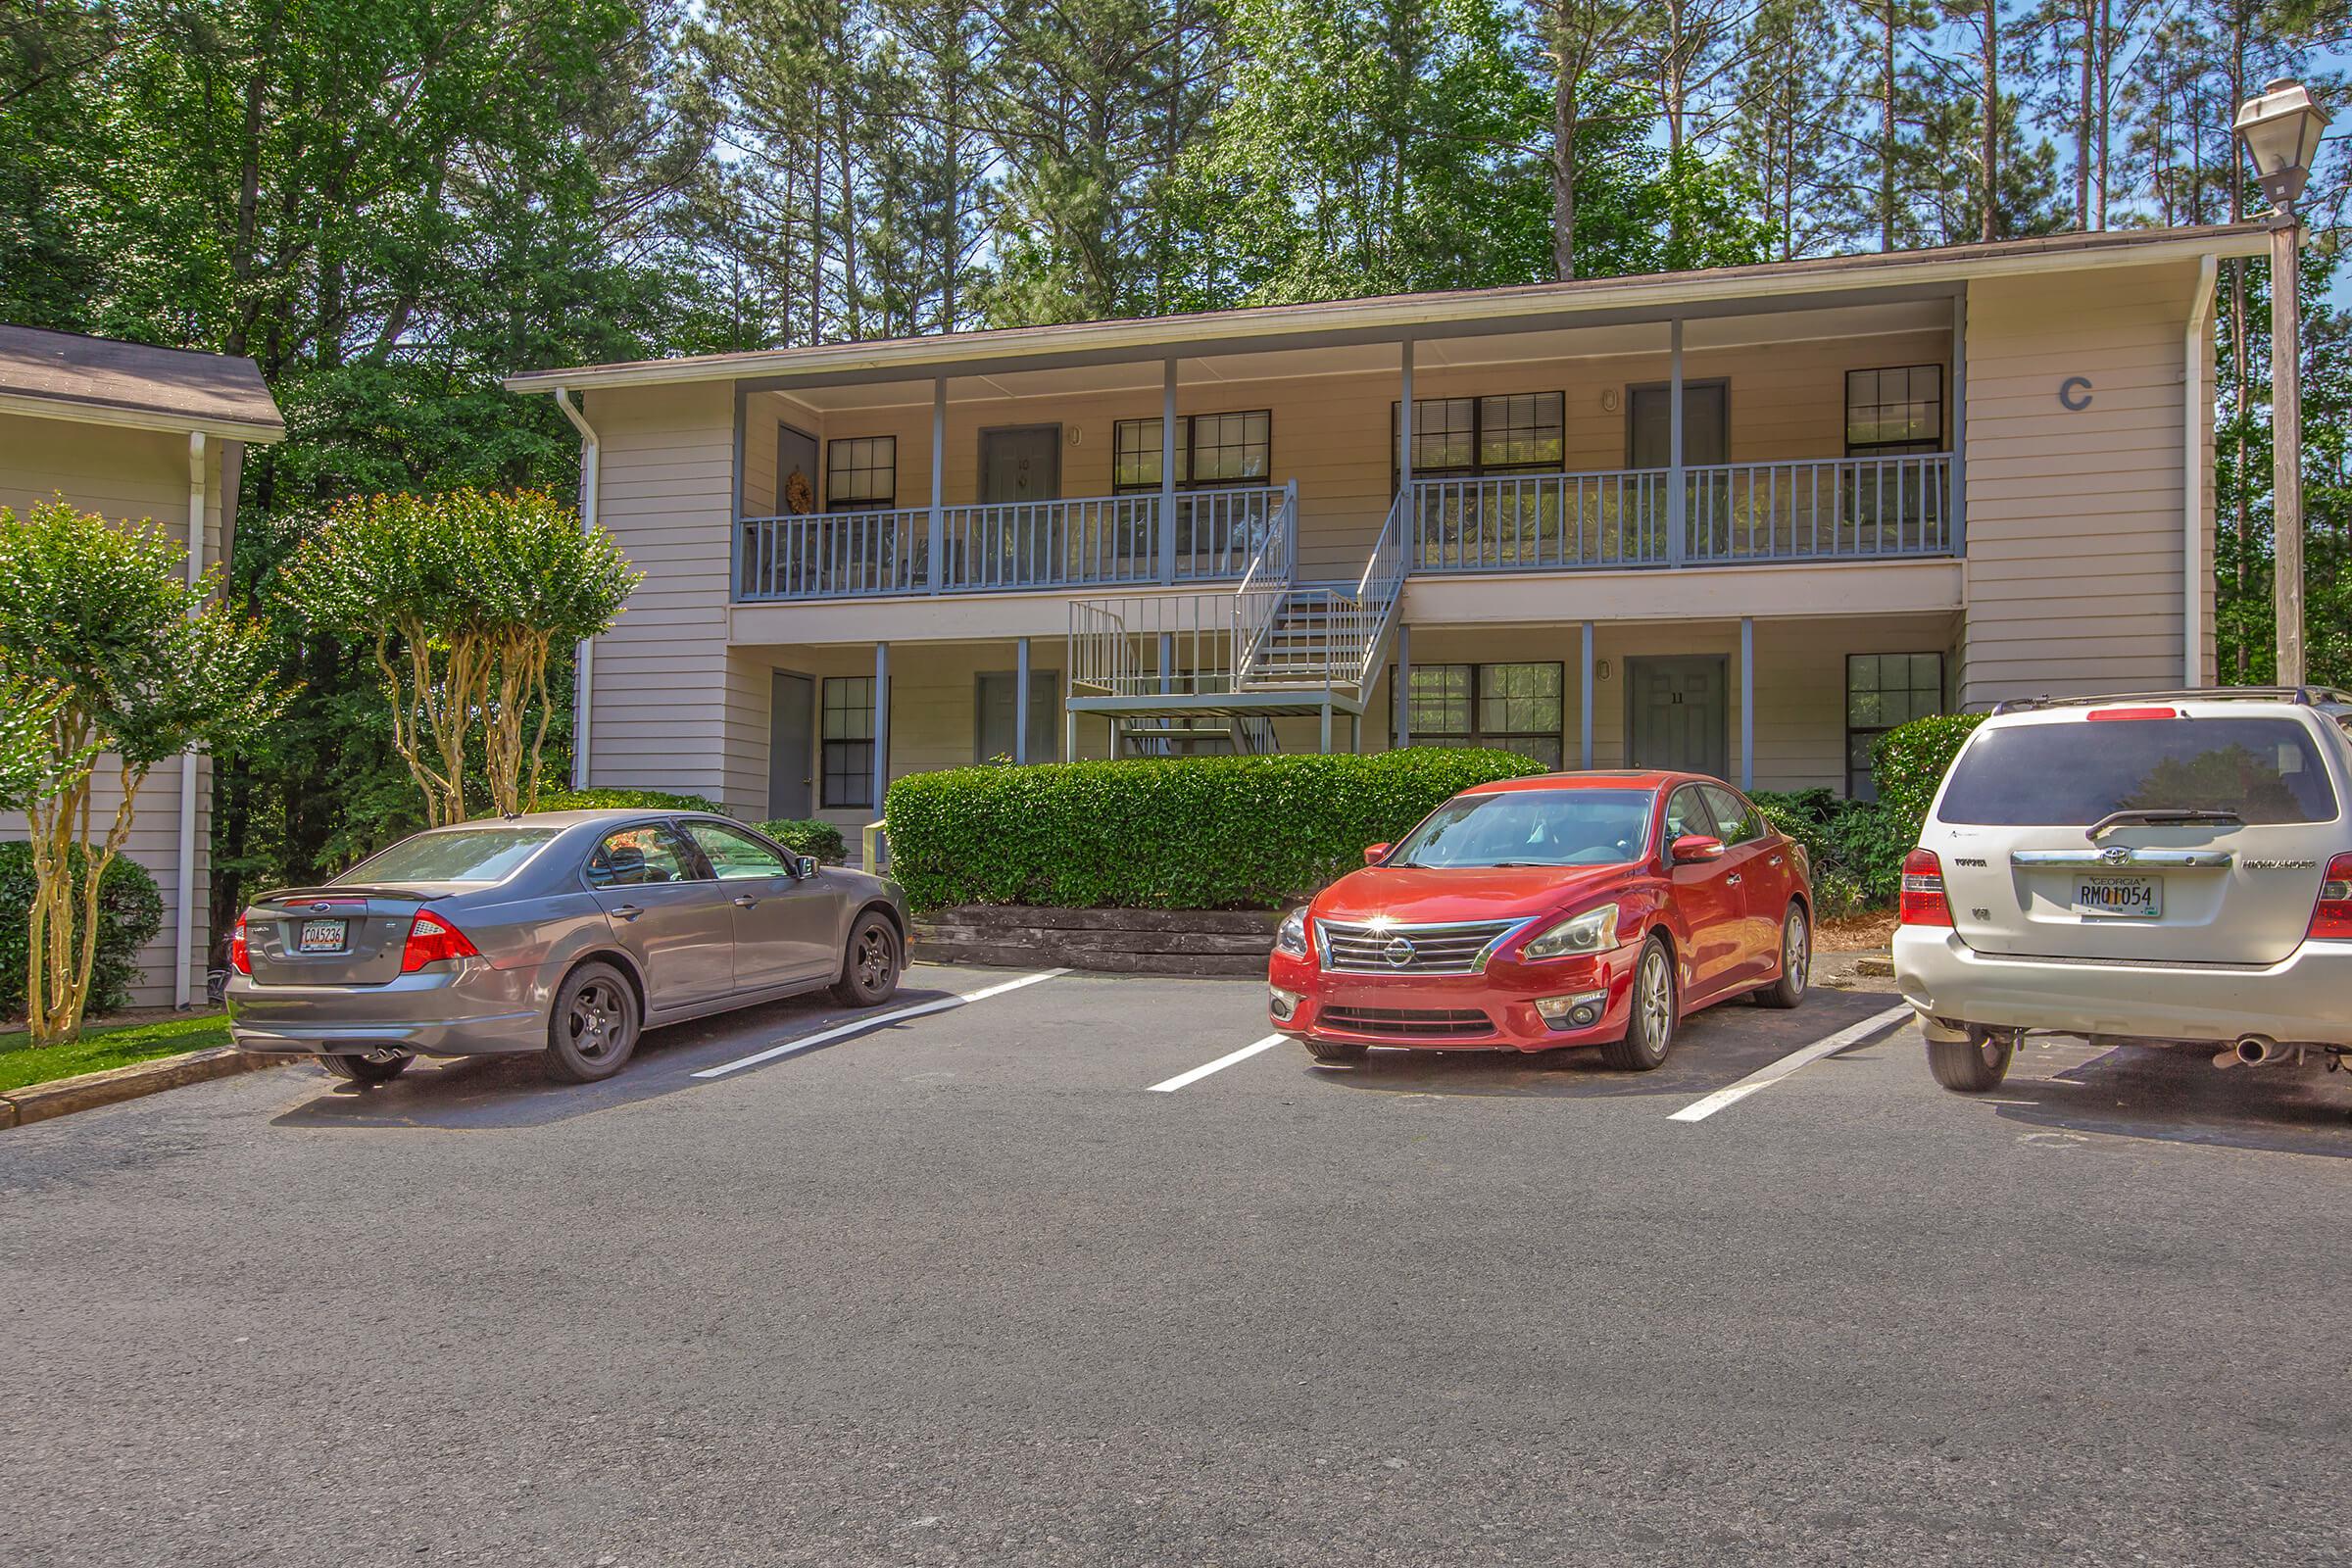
{"points": [[130, 911], [1856, 844], [599, 800], [820, 839], [1909, 763], [1206, 832]]}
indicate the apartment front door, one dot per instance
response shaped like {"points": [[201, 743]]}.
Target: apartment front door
{"points": [[791, 748], [1022, 463], [1020, 466], [1677, 713]]}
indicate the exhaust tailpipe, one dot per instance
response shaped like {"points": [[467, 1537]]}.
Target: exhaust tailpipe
{"points": [[2252, 1051]]}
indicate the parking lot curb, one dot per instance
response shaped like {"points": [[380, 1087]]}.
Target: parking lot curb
{"points": [[62, 1097]]}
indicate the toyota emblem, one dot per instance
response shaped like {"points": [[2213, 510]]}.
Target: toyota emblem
{"points": [[2117, 855], [1398, 953]]}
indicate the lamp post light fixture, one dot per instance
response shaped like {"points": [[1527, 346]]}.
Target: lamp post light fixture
{"points": [[2280, 127]]}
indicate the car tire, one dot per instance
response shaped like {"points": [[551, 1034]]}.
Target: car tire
{"points": [[374, 1068], [1973, 1065], [592, 1029], [1650, 1029], [870, 963], [1337, 1051], [1796, 961]]}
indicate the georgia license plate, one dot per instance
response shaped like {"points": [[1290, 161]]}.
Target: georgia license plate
{"points": [[320, 936], [2135, 898]]}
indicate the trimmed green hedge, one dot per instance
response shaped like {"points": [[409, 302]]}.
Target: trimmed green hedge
{"points": [[1178, 833], [820, 839], [599, 800], [1857, 847], [1908, 762], [131, 910]]}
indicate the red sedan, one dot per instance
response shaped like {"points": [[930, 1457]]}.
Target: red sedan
{"points": [[1571, 909]]}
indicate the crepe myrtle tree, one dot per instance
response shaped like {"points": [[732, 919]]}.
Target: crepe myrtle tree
{"points": [[120, 662], [462, 598]]}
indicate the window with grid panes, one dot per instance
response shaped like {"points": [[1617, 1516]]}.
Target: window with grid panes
{"points": [[848, 735], [1894, 410], [1512, 707], [1884, 691], [1213, 449], [1510, 432], [861, 473]]}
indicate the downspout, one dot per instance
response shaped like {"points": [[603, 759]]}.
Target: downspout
{"points": [[583, 654], [2192, 477], [183, 918]]}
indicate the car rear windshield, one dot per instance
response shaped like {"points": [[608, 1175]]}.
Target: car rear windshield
{"points": [[1531, 828], [452, 855], [2074, 774]]}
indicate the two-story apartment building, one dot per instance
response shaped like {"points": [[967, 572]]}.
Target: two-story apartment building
{"points": [[1741, 520]]}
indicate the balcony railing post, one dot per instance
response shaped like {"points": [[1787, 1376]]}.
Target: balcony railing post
{"points": [[935, 564], [1167, 471], [1677, 500]]}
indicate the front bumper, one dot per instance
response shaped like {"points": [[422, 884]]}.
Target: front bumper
{"points": [[2295, 1002], [470, 1010], [1506, 992]]}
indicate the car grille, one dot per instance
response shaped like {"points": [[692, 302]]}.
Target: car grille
{"points": [[1434, 949], [1417, 1023]]}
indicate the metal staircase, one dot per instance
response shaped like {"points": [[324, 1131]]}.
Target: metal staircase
{"points": [[1190, 672]]}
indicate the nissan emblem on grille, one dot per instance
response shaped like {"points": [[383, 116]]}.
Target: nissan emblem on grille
{"points": [[1398, 951]]}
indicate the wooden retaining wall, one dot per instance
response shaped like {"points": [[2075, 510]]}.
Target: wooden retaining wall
{"points": [[1193, 942]]}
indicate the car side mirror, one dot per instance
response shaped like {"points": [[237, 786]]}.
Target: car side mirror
{"points": [[803, 866], [1692, 848], [1374, 853]]}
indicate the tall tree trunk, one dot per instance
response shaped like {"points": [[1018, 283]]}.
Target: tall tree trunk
{"points": [[2083, 116], [1886, 130], [1990, 156], [1565, 113]]}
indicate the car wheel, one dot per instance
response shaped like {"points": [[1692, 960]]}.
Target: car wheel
{"points": [[1337, 1050], [869, 968], [1796, 961], [1650, 1032], [592, 1030], [375, 1067], [1972, 1066]]}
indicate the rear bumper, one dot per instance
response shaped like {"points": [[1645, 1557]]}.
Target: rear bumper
{"points": [[474, 1011], [1506, 992], [2295, 1002]]}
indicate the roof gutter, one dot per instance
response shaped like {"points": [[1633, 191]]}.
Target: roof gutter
{"points": [[2196, 358], [1407, 314], [84, 411], [583, 654]]}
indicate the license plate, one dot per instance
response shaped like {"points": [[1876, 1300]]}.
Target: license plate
{"points": [[2130, 898], [321, 936]]}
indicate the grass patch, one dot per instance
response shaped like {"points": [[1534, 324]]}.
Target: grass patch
{"points": [[99, 1049]]}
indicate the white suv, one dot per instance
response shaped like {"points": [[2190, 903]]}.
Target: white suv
{"points": [[2173, 868]]}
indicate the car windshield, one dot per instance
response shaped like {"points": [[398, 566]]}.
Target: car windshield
{"points": [[452, 855], [2076, 773], [1531, 828]]}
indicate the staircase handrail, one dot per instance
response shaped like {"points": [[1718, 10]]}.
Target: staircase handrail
{"points": [[1257, 602], [1377, 592]]}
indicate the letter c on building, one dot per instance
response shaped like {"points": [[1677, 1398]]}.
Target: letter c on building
{"points": [[2073, 393]]}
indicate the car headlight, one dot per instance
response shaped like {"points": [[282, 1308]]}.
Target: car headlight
{"points": [[1291, 935], [1594, 931]]}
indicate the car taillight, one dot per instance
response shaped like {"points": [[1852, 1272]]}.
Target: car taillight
{"points": [[2332, 916], [240, 952], [1922, 901], [432, 939]]}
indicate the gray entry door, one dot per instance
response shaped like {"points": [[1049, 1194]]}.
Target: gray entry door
{"points": [[1022, 463], [791, 748], [1677, 714]]}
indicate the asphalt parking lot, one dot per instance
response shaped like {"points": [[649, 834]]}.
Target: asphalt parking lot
{"points": [[1013, 1281]]}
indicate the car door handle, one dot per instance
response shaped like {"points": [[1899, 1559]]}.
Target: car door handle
{"points": [[1775, 860], [626, 911], [744, 901], [1731, 881]]}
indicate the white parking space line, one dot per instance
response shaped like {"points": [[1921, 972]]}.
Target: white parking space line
{"points": [[1219, 1065], [1765, 1077], [858, 1026]]}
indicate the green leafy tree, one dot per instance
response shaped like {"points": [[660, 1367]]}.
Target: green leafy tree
{"points": [[461, 600], [135, 661]]}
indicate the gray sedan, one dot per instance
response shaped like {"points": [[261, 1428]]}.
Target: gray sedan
{"points": [[565, 933]]}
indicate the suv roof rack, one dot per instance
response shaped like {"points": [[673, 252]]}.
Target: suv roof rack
{"points": [[2306, 696]]}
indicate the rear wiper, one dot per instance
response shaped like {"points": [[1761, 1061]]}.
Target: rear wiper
{"points": [[2161, 816]]}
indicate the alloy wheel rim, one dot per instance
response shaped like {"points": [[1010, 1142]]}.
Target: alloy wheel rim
{"points": [[1796, 953], [594, 1020], [873, 957], [1654, 1006]]}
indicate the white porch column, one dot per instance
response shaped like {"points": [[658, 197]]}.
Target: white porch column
{"points": [[183, 897], [1404, 435], [1167, 471], [1747, 701], [1021, 701], [1677, 504], [1584, 701], [881, 724], [1958, 524], [1167, 660], [935, 573], [1403, 695]]}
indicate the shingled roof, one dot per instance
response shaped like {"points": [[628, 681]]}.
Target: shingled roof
{"points": [[67, 375]]}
